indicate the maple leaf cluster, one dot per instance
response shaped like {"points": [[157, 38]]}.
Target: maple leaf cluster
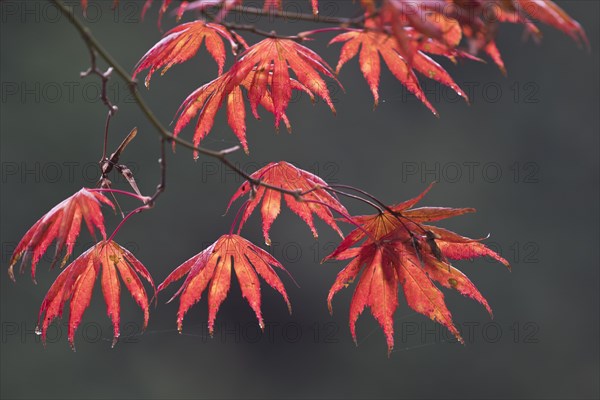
{"points": [[396, 249], [405, 34]]}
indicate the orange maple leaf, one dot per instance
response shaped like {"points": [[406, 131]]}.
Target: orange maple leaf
{"points": [[211, 269], [182, 43], [76, 284], [446, 22], [374, 44], [286, 176], [399, 249], [264, 71], [63, 224], [208, 99]]}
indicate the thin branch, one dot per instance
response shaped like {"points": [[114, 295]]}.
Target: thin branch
{"points": [[104, 77], [143, 199], [343, 23], [387, 208], [253, 29], [319, 19], [148, 201], [353, 196], [237, 217]]}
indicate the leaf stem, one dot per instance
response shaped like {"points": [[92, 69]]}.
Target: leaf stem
{"points": [[143, 199], [237, 216], [355, 197], [136, 211], [298, 16]]}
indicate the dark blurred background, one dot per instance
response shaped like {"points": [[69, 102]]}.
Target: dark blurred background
{"points": [[524, 153]]}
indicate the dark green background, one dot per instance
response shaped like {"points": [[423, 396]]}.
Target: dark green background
{"points": [[542, 213]]}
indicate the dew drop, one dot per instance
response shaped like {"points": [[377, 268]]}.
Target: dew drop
{"points": [[38, 331]]}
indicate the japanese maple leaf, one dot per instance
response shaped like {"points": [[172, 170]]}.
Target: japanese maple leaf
{"points": [[61, 224], [437, 23], [316, 200], [211, 269], [264, 71], [400, 250], [182, 43], [76, 284], [208, 99], [374, 44]]}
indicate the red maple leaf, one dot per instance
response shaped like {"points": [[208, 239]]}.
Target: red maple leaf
{"points": [[264, 71], [63, 224], [211, 269], [315, 200], [446, 22], [182, 43], [374, 44], [76, 284], [208, 99], [400, 250]]}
